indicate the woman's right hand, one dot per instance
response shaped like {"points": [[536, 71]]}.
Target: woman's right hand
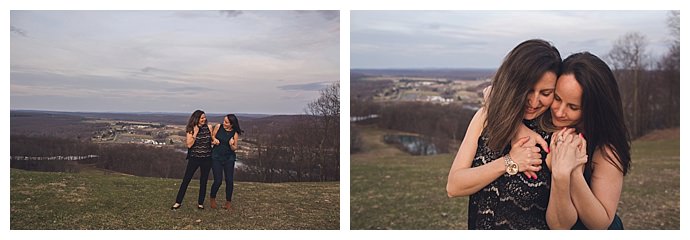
{"points": [[527, 155], [524, 131], [535, 139], [196, 130]]}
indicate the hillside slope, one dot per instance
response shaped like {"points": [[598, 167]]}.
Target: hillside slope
{"points": [[391, 189], [92, 200]]}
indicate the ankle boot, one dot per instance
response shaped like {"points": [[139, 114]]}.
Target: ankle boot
{"points": [[213, 203], [227, 205]]}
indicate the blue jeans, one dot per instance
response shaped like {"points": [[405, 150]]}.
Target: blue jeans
{"points": [[227, 166]]}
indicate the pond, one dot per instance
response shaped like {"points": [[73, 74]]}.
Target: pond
{"points": [[415, 145]]}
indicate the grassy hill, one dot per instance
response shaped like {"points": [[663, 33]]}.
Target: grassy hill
{"points": [[393, 190], [92, 200]]}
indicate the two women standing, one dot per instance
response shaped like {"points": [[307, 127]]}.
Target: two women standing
{"points": [[200, 152]]}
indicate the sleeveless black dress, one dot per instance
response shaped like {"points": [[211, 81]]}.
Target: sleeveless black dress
{"points": [[510, 202]]}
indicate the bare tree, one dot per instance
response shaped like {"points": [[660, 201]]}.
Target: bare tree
{"points": [[326, 112], [629, 54], [673, 23], [670, 67]]}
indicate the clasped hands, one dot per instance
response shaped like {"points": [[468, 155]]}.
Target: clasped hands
{"points": [[568, 150]]}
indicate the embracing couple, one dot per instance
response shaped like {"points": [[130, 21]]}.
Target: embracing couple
{"points": [[549, 149], [210, 147]]}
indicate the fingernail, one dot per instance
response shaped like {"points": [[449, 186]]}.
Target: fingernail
{"points": [[547, 150], [581, 136]]}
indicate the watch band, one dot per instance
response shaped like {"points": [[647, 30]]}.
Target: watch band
{"points": [[508, 159]]}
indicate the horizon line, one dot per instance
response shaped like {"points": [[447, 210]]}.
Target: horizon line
{"points": [[426, 68], [152, 112]]}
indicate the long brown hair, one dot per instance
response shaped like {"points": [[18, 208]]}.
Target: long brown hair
{"points": [[519, 72], [193, 121]]}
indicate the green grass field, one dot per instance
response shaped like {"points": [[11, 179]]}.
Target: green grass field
{"points": [[92, 200], [393, 190]]}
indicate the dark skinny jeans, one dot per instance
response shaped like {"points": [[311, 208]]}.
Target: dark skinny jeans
{"points": [[192, 165], [227, 166]]}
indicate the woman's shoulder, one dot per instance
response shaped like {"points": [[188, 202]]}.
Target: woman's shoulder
{"points": [[606, 155]]}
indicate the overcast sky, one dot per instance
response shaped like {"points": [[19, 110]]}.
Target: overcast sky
{"points": [[481, 39], [172, 61]]}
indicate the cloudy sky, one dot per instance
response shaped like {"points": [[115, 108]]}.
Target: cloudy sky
{"points": [[172, 61], [481, 39]]}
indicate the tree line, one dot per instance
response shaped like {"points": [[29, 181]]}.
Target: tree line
{"points": [[306, 149], [443, 125], [135, 159], [650, 87]]}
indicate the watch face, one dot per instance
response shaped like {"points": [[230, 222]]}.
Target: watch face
{"points": [[512, 168]]}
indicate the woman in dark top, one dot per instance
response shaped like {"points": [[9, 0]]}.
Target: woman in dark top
{"points": [[198, 156], [224, 157], [588, 168], [486, 166]]}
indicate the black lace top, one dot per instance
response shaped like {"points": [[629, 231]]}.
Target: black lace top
{"points": [[202, 144], [510, 202]]}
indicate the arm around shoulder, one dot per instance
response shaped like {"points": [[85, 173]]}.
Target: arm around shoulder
{"points": [[463, 180], [214, 130]]}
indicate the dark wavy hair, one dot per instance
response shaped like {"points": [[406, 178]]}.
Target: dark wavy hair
{"points": [[235, 123], [519, 72], [193, 121], [602, 122]]}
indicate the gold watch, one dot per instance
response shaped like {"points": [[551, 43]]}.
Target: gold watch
{"points": [[511, 166]]}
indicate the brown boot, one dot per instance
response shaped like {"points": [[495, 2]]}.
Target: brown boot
{"points": [[213, 203], [227, 205]]}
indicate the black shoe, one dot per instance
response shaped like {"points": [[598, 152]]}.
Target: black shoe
{"points": [[175, 208], [200, 207]]}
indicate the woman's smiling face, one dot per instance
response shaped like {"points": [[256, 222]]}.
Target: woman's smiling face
{"points": [[566, 109], [541, 96]]}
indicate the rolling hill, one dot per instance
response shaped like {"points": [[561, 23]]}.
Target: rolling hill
{"points": [[98, 200]]}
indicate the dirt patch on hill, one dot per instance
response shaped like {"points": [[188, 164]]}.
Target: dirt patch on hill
{"points": [[662, 134]]}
